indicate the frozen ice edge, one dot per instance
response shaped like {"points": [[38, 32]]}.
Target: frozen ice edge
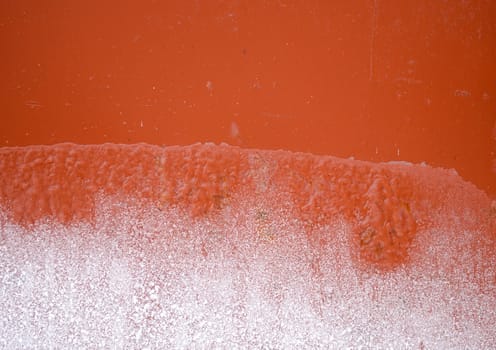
{"points": [[225, 145]]}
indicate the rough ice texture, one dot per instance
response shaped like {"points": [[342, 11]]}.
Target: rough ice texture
{"points": [[208, 246]]}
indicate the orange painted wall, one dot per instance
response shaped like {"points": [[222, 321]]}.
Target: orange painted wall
{"points": [[374, 79]]}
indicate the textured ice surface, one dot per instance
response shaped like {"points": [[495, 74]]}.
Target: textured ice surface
{"points": [[145, 278], [138, 247]]}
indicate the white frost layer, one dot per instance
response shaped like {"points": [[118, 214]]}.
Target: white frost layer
{"points": [[156, 279]]}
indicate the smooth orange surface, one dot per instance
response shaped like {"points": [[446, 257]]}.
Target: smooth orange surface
{"points": [[377, 80]]}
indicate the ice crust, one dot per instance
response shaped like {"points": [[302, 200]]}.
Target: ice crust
{"points": [[201, 247], [143, 278]]}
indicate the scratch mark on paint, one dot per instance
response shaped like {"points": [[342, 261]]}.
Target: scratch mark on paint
{"points": [[372, 41], [32, 104], [462, 93]]}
